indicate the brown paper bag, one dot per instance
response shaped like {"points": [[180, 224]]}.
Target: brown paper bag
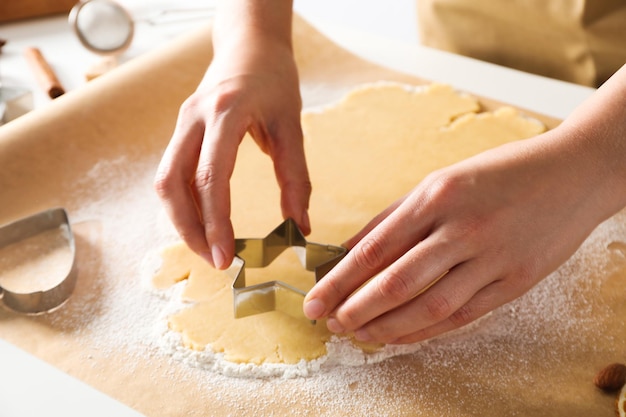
{"points": [[573, 40]]}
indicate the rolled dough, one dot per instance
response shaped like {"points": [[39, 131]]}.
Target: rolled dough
{"points": [[363, 153]]}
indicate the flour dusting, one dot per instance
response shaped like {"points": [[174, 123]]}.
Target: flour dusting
{"points": [[119, 313]]}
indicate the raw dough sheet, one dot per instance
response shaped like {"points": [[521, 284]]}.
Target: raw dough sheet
{"points": [[94, 151], [363, 152]]}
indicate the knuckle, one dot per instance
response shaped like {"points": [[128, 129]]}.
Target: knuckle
{"points": [[217, 100], [307, 186], [330, 288], [525, 277], [190, 105], [163, 184], [348, 318], [303, 186], [442, 188], [224, 100], [468, 234], [207, 176], [438, 308], [456, 192], [519, 275], [369, 256], [462, 316], [191, 108], [395, 287], [332, 285]]}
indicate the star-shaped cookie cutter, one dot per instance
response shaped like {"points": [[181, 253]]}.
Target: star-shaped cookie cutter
{"points": [[277, 295]]}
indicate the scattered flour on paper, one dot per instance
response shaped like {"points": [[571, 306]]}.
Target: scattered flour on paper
{"points": [[129, 313], [123, 313]]}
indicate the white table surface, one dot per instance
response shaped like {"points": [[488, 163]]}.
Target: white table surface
{"points": [[383, 32]]}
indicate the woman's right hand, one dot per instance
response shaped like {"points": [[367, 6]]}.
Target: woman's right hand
{"points": [[251, 86]]}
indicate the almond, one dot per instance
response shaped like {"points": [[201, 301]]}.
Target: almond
{"points": [[611, 378]]}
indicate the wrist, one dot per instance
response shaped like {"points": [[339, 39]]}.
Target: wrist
{"points": [[241, 22], [591, 158]]}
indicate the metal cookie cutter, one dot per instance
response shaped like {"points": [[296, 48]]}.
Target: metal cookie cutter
{"points": [[49, 297], [277, 295]]}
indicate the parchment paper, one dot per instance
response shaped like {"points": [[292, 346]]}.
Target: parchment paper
{"points": [[123, 120]]}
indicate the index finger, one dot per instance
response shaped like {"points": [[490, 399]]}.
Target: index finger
{"points": [[384, 244]]}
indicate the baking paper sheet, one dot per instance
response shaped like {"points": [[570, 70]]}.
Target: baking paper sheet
{"points": [[95, 150]]}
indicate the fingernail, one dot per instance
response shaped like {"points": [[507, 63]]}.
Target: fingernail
{"points": [[334, 326], [362, 336], [314, 309], [218, 257]]}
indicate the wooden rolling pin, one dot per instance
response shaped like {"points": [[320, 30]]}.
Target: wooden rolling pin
{"points": [[45, 75]]}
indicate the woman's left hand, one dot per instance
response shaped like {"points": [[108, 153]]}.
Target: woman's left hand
{"points": [[466, 240]]}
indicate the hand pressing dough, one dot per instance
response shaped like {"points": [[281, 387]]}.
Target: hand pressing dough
{"points": [[363, 153]]}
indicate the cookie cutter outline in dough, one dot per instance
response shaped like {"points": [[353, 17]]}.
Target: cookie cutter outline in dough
{"points": [[45, 299], [277, 295]]}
